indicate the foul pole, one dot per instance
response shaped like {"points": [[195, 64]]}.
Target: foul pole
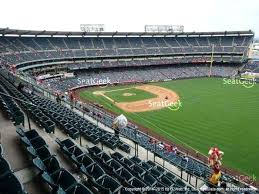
{"points": [[211, 60]]}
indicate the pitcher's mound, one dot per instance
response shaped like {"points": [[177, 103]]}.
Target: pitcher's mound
{"points": [[128, 94]]}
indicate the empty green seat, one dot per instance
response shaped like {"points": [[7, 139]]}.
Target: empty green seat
{"points": [[49, 165], [149, 180], [124, 175], [180, 183], [42, 152], [94, 171], [31, 134], [166, 181], [84, 160], [61, 178], [79, 189], [18, 117], [107, 183], [66, 146], [36, 143], [137, 183]]}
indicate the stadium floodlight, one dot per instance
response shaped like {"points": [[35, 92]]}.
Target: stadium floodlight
{"points": [[164, 28], [92, 27]]}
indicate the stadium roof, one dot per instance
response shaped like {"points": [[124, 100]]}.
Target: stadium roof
{"points": [[7, 31]]}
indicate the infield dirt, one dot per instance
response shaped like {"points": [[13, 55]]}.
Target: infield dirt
{"points": [[162, 95]]}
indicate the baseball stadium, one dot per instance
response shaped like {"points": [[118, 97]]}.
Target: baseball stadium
{"points": [[128, 112]]}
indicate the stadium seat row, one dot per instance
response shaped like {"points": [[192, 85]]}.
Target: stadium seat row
{"points": [[15, 49], [75, 125], [10, 108], [35, 113]]}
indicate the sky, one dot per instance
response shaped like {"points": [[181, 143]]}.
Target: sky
{"points": [[132, 16]]}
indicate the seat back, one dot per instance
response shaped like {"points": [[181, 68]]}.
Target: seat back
{"points": [[137, 183], [115, 165], [140, 171], [47, 178], [76, 151], [87, 161], [43, 153], [31, 134], [95, 150], [39, 164], [79, 189], [109, 182], [155, 173], [128, 162], [65, 179], [149, 179], [166, 181], [38, 142], [95, 171], [125, 174], [117, 156], [68, 143], [52, 164]]}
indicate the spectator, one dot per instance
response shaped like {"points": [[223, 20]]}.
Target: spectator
{"points": [[58, 99], [161, 145], [223, 185], [152, 140], [167, 147], [185, 157], [175, 150], [214, 181]]}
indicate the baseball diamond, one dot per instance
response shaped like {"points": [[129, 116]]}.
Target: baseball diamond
{"points": [[138, 105]]}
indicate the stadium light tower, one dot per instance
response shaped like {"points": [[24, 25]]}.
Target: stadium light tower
{"points": [[164, 28], [92, 27]]}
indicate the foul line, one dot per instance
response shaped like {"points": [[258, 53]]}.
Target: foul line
{"points": [[107, 97], [104, 91]]}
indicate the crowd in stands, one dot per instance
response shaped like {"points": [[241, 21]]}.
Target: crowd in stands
{"points": [[131, 75], [15, 50], [252, 66]]}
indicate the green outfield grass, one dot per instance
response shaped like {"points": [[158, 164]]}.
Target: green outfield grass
{"points": [[212, 114], [117, 94]]}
